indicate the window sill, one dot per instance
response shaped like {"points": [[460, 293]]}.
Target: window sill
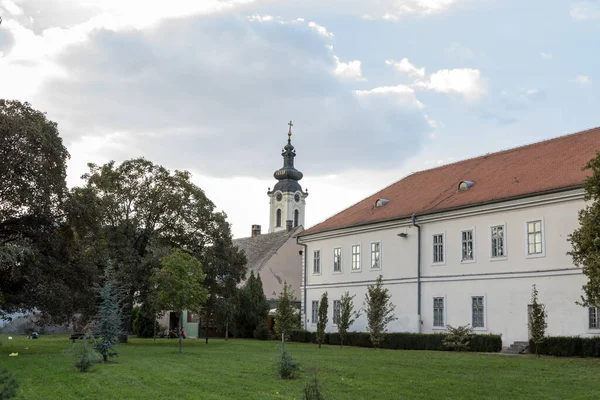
{"points": [[355, 271], [438, 264], [540, 255], [337, 272], [317, 273], [438, 328], [467, 261], [375, 269], [498, 258], [479, 329], [593, 331]]}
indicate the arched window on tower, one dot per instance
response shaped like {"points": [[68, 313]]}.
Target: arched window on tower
{"points": [[278, 217], [296, 215]]}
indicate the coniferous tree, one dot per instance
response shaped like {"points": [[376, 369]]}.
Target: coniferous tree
{"points": [[322, 321], [347, 316], [108, 322], [379, 310], [253, 308], [285, 316], [8, 384], [537, 319]]}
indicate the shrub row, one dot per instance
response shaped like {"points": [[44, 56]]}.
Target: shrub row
{"points": [[401, 341], [567, 346]]}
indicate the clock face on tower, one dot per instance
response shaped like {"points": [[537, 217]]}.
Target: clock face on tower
{"points": [[279, 196], [297, 197]]}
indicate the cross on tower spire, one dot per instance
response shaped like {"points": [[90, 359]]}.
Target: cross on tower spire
{"points": [[290, 131]]}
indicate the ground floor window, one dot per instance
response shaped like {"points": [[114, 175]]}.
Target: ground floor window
{"points": [[477, 316], [315, 312], [438, 312], [336, 311], [593, 318]]}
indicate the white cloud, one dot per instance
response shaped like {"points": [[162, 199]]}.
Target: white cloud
{"points": [[585, 11], [403, 94], [11, 7], [546, 56], [321, 30], [583, 79], [347, 70], [406, 66], [260, 18], [396, 9], [466, 82]]}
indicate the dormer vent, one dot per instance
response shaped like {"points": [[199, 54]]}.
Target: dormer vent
{"points": [[381, 202], [465, 185]]}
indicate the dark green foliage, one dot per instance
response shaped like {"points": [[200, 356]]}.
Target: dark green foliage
{"points": [[459, 338], [8, 384], [286, 316], [252, 307], [312, 390], [347, 316], [585, 240], [144, 323], [108, 325], [379, 310], [322, 321], [262, 333], [83, 353], [287, 366], [537, 318], [402, 341], [567, 346]]}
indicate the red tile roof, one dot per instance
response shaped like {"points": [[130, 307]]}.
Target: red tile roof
{"points": [[528, 170]]}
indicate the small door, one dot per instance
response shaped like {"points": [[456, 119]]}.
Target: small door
{"points": [[529, 311]]}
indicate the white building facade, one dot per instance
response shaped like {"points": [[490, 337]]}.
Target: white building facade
{"points": [[469, 264]]}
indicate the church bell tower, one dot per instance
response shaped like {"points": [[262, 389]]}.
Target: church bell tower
{"points": [[287, 199]]}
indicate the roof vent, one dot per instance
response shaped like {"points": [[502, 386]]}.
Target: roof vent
{"points": [[465, 185], [381, 202]]}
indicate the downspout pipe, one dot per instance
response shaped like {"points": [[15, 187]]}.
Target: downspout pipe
{"points": [[305, 277], [414, 223]]}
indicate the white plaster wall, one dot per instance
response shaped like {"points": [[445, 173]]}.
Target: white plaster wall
{"points": [[284, 266]]}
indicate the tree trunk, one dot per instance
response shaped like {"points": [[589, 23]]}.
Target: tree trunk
{"points": [[206, 324], [154, 327], [226, 330], [181, 332]]}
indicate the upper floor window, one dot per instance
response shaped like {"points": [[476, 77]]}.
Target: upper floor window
{"points": [[356, 257], [477, 312], [498, 241], [337, 306], [315, 311], [438, 248], [467, 245], [337, 259], [376, 255], [438, 312], [594, 323], [317, 262], [278, 217], [534, 237], [296, 217]]}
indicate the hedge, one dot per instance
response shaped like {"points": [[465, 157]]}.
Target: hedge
{"points": [[567, 346], [402, 341]]}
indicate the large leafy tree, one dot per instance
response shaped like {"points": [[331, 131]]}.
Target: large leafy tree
{"points": [[179, 283], [586, 239]]}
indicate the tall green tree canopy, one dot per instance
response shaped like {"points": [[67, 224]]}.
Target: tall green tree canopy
{"points": [[253, 308], [586, 239]]}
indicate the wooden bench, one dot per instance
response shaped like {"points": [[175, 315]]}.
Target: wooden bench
{"points": [[76, 336]]}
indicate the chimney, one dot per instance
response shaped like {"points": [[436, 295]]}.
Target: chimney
{"points": [[288, 225], [255, 230]]}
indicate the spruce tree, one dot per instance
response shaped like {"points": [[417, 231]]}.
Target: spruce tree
{"points": [[322, 321], [537, 319], [379, 310], [252, 308], [285, 315], [108, 322], [347, 316]]}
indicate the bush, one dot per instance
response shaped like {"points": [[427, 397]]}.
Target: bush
{"points": [[402, 341], [567, 346], [142, 325], [287, 366], [83, 353], [458, 338], [8, 384], [262, 333], [312, 391]]}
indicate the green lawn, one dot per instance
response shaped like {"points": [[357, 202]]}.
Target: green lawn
{"points": [[244, 369]]}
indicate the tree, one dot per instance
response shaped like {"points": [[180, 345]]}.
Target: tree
{"points": [[322, 321], [537, 319], [108, 322], [253, 308], [347, 316], [585, 240], [285, 315], [179, 283], [226, 308], [379, 310]]}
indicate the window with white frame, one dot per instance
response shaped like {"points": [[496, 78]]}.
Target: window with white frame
{"points": [[498, 239], [337, 306], [376, 255], [438, 312], [467, 245], [337, 259], [477, 312], [534, 237], [438, 248], [317, 262], [315, 311], [594, 323], [356, 257]]}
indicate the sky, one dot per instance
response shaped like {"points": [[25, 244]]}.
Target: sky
{"points": [[376, 89]]}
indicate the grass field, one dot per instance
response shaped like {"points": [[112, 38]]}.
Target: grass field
{"points": [[244, 369]]}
